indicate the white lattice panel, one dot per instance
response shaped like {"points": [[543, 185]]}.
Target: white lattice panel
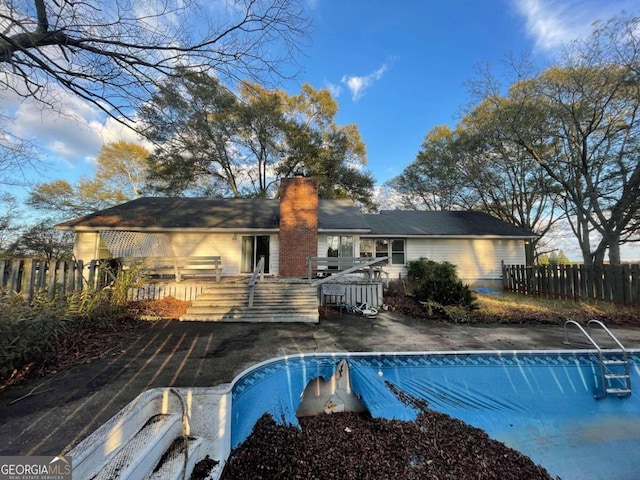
{"points": [[137, 244]]}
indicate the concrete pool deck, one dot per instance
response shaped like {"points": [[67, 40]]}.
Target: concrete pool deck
{"points": [[50, 415]]}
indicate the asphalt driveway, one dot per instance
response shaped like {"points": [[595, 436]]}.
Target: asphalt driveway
{"points": [[50, 415]]}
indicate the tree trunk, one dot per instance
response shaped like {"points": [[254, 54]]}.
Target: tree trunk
{"points": [[598, 256], [614, 251], [585, 245], [530, 251]]}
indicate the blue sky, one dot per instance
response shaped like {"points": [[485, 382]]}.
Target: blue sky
{"points": [[397, 68], [398, 72]]}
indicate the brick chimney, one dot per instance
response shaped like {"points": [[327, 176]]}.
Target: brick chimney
{"points": [[298, 225]]}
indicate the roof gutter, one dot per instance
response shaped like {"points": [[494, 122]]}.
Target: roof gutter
{"points": [[167, 229], [449, 237]]}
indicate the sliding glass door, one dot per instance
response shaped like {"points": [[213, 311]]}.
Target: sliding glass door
{"points": [[254, 247]]}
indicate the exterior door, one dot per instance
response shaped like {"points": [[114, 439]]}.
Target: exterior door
{"points": [[254, 247]]}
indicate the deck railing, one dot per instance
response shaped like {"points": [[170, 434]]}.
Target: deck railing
{"points": [[341, 266], [258, 275]]}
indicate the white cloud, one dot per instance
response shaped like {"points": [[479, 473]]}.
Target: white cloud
{"points": [[65, 135], [552, 23], [68, 139], [358, 84], [334, 89]]}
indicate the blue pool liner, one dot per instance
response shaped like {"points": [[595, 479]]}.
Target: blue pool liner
{"points": [[539, 403]]}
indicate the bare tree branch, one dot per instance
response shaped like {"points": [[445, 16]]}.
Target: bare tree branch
{"points": [[112, 54]]}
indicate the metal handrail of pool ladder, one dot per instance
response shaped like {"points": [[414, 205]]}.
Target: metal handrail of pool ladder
{"points": [[605, 377]]}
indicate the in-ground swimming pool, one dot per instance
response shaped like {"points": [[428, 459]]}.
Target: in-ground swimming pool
{"points": [[540, 403]]}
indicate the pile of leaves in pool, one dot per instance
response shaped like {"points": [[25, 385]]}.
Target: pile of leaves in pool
{"points": [[357, 446]]}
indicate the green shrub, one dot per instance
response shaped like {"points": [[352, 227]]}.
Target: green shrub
{"points": [[396, 288], [29, 330], [431, 281]]}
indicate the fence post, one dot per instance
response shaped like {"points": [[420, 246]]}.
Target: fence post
{"points": [[92, 273], [614, 290], [41, 282], [79, 277], [69, 276], [625, 281], [51, 278], [635, 285], [577, 279], [14, 276], [505, 287], [28, 274], [4, 274]]}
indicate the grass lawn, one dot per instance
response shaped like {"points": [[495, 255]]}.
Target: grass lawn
{"points": [[514, 308]]}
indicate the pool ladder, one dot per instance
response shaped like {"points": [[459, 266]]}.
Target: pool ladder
{"points": [[614, 372]]}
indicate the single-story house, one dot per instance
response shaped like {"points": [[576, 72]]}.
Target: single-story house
{"points": [[298, 225]]}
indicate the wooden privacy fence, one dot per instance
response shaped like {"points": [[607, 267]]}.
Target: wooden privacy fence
{"points": [[610, 283], [31, 276]]}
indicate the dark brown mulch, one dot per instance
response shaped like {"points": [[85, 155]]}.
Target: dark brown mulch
{"points": [[356, 446], [203, 468]]}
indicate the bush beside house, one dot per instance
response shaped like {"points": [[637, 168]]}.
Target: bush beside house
{"points": [[431, 289]]}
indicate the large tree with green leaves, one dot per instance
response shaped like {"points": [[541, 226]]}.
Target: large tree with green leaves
{"points": [[334, 154], [566, 139], [436, 179], [42, 240], [580, 122], [505, 180], [211, 142], [121, 175], [472, 168], [113, 54], [193, 121]]}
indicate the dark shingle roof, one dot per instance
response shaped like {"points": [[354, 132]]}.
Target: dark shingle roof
{"points": [[160, 213], [341, 215], [212, 213], [179, 212], [460, 223]]}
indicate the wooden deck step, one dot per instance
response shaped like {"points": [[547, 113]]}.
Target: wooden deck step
{"points": [[272, 302]]}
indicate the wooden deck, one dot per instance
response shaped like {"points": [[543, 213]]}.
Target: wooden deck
{"points": [[155, 289]]}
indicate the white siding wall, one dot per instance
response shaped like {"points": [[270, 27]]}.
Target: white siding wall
{"points": [[274, 254], [85, 246], [205, 244], [222, 244], [476, 259], [192, 244]]}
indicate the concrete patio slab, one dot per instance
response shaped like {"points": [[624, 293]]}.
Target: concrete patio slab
{"points": [[65, 407]]}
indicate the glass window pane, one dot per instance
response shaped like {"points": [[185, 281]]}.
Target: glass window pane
{"points": [[333, 244], [397, 251], [397, 258], [382, 248], [346, 246], [366, 248]]}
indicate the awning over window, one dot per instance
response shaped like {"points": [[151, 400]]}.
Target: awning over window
{"points": [[137, 244]]}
